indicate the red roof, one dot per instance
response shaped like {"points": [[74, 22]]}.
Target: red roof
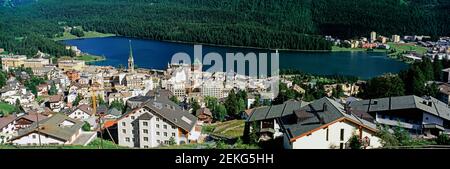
{"points": [[110, 123]]}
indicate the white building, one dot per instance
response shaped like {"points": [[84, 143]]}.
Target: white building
{"points": [[7, 128], [82, 112], [326, 124], [57, 130], [159, 121]]}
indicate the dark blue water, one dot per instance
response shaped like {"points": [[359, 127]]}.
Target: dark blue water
{"points": [[157, 54]]}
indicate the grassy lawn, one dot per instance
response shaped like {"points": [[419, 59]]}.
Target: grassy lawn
{"points": [[90, 58], [86, 58], [6, 108], [340, 49], [228, 129], [88, 34], [400, 48]]}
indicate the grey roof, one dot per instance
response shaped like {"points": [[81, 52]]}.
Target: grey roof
{"points": [[4, 121], [52, 127], [84, 108], [166, 109], [113, 111], [32, 117], [139, 99], [145, 116], [203, 110], [427, 104], [102, 108], [316, 114], [275, 111]]}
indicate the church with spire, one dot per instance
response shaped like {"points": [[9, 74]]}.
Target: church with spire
{"points": [[131, 60]]}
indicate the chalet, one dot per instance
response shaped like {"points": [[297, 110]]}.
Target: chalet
{"points": [[59, 129], [81, 112], [42, 89], [267, 118], [7, 128], [326, 124], [421, 116], [204, 115], [56, 102], [25, 121]]}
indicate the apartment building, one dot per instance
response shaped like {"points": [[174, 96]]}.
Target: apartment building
{"points": [[157, 122]]}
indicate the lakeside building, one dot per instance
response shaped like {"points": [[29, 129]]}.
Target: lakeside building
{"points": [[373, 37], [71, 64], [395, 38]]}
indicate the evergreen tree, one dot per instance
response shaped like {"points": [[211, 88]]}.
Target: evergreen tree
{"points": [[118, 104], [437, 69], [220, 113], [194, 105], [52, 90], [231, 104], [384, 86], [77, 100]]}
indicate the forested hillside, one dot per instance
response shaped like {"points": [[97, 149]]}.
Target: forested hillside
{"points": [[289, 24]]}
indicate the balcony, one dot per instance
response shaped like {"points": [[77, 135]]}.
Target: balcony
{"points": [[399, 123]]}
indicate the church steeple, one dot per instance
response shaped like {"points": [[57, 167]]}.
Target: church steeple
{"points": [[131, 59]]}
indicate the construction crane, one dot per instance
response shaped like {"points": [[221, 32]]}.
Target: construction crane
{"points": [[93, 90]]}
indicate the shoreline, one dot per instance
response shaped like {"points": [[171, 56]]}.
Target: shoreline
{"points": [[230, 46], [219, 45]]}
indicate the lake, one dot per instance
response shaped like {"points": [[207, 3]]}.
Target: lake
{"points": [[157, 54]]}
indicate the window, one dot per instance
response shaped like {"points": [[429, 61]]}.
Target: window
{"points": [[145, 123], [165, 134], [158, 141], [145, 146], [341, 146], [124, 131], [123, 124], [165, 126], [342, 134], [173, 134], [145, 131], [166, 142], [173, 127], [145, 138], [34, 136], [157, 119], [157, 125], [127, 139], [132, 117], [157, 133], [327, 134]]}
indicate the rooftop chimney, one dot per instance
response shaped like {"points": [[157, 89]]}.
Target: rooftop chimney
{"points": [[375, 101], [325, 107], [347, 109]]}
